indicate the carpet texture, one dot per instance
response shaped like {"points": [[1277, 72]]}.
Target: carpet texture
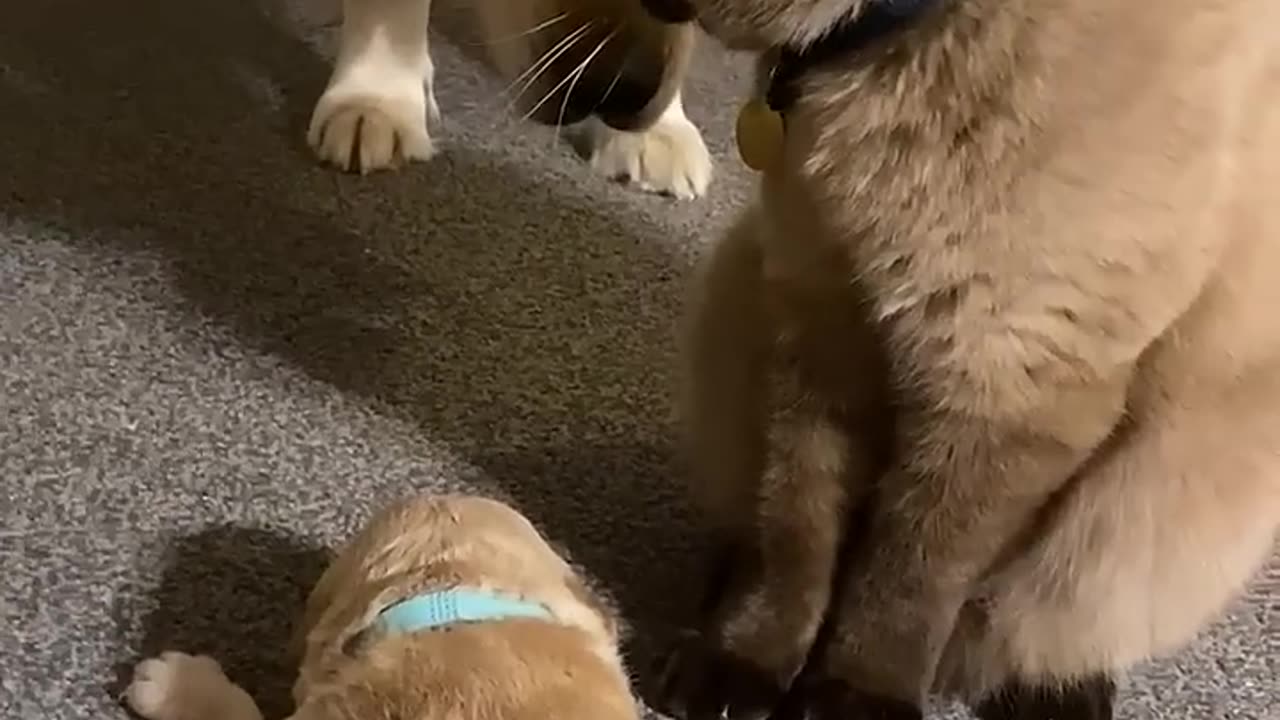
{"points": [[216, 357]]}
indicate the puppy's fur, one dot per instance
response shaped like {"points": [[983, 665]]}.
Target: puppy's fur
{"points": [[1002, 323], [566, 60], [567, 667]]}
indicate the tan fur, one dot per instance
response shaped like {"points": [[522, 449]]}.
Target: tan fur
{"points": [[1019, 259], [565, 61], [568, 667]]}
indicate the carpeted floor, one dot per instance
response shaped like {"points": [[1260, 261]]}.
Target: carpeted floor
{"points": [[216, 357]]}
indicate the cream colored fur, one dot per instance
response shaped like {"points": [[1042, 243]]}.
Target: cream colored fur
{"points": [[568, 667], [376, 112], [1008, 303]]}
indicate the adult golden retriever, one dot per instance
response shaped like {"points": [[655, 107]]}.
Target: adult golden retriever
{"points": [[985, 387]]}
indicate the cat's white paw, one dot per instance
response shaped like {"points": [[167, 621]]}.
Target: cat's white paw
{"points": [[374, 114], [367, 133], [669, 158]]}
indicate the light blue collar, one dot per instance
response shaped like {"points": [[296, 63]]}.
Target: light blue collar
{"points": [[433, 610]]}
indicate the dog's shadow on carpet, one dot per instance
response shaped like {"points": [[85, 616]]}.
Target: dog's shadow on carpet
{"points": [[633, 537], [235, 594]]}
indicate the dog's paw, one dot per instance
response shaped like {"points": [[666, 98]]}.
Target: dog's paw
{"points": [[178, 686], [374, 114], [704, 682], [1089, 699], [668, 158], [834, 700]]}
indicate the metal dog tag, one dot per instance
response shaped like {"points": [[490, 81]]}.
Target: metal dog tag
{"points": [[760, 136]]}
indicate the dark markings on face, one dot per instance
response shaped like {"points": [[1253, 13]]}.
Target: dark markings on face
{"points": [[673, 12]]}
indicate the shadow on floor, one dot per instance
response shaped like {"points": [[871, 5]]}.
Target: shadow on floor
{"points": [[635, 539], [235, 594]]}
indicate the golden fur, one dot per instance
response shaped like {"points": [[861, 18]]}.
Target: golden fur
{"points": [[1004, 323], [565, 60], [514, 669]]}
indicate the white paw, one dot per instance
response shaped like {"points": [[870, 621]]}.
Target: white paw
{"points": [[178, 686], [374, 114], [669, 158]]}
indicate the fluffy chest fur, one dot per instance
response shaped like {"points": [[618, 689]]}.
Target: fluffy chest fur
{"points": [[1026, 170]]}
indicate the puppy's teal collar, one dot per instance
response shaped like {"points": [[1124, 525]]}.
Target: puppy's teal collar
{"points": [[433, 610]]}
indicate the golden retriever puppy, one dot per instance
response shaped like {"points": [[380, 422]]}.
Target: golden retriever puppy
{"points": [[985, 389], [622, 62], [442, 607]]}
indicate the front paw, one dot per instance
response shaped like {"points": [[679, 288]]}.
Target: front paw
{"points": [[178, 686], [751, 647], [362, 131], [669, 158], [704, 682], [173, 686]]}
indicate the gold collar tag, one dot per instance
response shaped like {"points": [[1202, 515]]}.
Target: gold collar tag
{"points": [[760, 135]]}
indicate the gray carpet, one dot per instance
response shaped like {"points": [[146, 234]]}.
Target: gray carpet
{"points": [[216, 357]]}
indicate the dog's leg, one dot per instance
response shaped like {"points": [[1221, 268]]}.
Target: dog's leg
{"points": [[374, 113], [775, 473], [768, 612], [177, 686], [669, 158], [953, 500]]}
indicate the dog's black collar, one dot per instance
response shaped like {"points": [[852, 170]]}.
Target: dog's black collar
{"points": [[877, 20]]}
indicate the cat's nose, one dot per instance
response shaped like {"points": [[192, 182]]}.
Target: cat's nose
{"points": [[670, 11]]}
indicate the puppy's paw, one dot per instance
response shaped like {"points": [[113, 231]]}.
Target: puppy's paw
{"points": [[178, 686], [374, 115], [705, 682], [669, 158]]}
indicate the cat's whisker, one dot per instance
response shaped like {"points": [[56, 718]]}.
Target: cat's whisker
{"points": [[622, 64], [617, 77], [567, 78], [531, 75], [577, 75], [545, 24]]}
